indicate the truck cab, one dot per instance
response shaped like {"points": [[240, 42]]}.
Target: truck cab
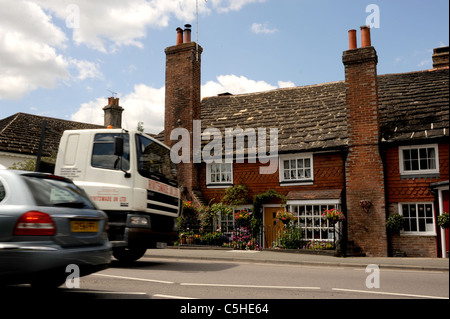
{"points": [[128, 175]]}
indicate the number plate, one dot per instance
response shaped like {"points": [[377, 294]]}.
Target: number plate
{"points": [[84, 226]]}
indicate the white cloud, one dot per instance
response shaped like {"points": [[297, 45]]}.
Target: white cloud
{"points": [[106, 25], [259, 28], [28, 56], [146, 104], [87, 69], [239, 85]]}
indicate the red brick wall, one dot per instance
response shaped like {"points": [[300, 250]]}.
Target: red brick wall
{"points": [[413, 189], [328, 174], [401, 190]]}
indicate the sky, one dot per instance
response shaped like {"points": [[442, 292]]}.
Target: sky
{"points": [[64, 58]]}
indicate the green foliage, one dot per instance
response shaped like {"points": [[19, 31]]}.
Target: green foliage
{"points": [[290, 238], [395, 222], [26, 165], [443, 220], [258, 203], [236, 195]]}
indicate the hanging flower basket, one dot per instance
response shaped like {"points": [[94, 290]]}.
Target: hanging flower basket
{"points": [[333, 216], [242, 217], [284, 216], [443, 220]]}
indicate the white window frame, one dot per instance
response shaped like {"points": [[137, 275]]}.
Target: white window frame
{"points": [[298, 181], [405, 172], [314, 223], [220, 184], [431, 231]]}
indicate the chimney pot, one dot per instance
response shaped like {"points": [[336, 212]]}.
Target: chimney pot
{"points": [[187, 33], [179, 36], [365, 37], [441, 57], [353, 44]]}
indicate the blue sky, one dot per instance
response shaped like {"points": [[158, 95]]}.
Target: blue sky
{"points": [[61, 58]]}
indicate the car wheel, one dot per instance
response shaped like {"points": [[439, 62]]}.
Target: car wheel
{"points": [[128, 254]]}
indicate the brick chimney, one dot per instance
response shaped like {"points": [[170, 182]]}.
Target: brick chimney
{"points": [[366, 213], [183, 99], [440, 58], [113, 113]]}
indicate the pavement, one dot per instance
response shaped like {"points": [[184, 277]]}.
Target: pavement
{"points": [[298, 258]]}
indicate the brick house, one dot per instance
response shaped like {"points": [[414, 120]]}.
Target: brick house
{"points": [[371, 145]]}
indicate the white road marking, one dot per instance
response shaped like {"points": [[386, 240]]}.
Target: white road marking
{"points": [[249, 286], [134, 278], [173, 297], [389, 293]]}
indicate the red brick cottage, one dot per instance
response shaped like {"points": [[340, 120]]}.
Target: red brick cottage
{"points": [[372, 145]]}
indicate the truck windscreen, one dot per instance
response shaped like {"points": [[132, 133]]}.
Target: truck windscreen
{"points": [[154, 161]]}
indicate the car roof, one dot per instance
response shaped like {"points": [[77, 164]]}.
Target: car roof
{"points": [[36, 174]]}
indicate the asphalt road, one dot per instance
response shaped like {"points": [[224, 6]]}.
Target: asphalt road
{"points": [[169, 279]]}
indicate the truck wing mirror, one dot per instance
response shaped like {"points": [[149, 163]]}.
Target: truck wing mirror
{"points": [[118, 146]]}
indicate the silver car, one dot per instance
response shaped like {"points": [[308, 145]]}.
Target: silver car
{"points": [[49, 230]]}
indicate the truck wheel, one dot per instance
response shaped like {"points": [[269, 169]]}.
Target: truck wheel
{"points": [[128, 254]]}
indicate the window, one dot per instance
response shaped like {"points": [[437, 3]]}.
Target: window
{"points": [[53, 192], [419, 160], [219, 174], [103, 152], [309, 218], [296, 169], [154, 161], [419, 218]]}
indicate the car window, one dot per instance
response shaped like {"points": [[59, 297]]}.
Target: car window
{"points": [[59, 193], [2, 192]]}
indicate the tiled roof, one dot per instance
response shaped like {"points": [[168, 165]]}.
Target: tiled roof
{"points": [[412, 106], [20, 133], [309, 117]]}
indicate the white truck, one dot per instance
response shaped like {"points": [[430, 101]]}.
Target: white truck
{"points": [[130, 176]]}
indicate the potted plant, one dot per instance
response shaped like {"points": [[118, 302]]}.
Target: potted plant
{"points": [[242, 217], [284, 216], [395, 222], [333, 216], [443, 220]]}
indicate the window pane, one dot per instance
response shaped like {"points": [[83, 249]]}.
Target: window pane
{"points": [[405, 211], [300, 163], [307, 162], [293, 164], [307, 173], [431, 158], [429, 209], [412, 210], [415, 165], [422, 227], [413, 225], [406, 155], [286, 164], [421, 209]]}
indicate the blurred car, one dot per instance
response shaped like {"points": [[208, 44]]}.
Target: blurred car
{"points": [[46, 224]]}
